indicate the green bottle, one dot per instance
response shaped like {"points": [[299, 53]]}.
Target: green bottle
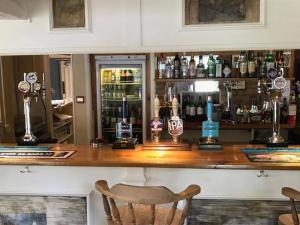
{"points": [[270, 64], [211, 64]]}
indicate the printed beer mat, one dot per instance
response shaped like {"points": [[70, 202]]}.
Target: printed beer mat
{"points": [[273, 155], [31, 152]]}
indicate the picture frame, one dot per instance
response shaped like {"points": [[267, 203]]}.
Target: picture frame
{"points": [[261, 23], [69, 16]]}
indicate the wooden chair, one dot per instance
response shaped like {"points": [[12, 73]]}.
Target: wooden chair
{"points": [[141, 202], [293, 218]]}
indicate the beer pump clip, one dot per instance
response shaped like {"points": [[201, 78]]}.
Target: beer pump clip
{"points": [[156, 124], [175, 124], [124, 139], [30, 89]]}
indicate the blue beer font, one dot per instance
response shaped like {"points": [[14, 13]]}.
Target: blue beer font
{"points": [[209, 127]]}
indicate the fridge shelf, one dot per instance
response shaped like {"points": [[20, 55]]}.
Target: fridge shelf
{"points": [[119, 100], [123, 83]]}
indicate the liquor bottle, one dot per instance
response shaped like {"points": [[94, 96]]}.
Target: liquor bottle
{"points": [[187, 108], [108, 77], [251, 65], [211, 64], [192, 68], [226, 70], [219, 67], [200, 68], [184, 67], [284, 111], [269, 62], [161, 66], [177, 66], [199, 113], [258, 65], [243, 64], [192, 109], [169, 70]]}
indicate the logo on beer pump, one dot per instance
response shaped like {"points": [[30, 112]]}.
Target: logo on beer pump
{"points": [[175, 127]]}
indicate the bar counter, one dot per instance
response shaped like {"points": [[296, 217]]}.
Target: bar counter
{"points": [[230, 157]]}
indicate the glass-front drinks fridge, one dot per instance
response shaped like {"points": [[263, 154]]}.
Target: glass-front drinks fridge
{"points": [[117, 76]]}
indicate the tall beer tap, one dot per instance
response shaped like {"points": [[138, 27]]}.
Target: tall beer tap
{"points": [[30, 89], [272, 86]]}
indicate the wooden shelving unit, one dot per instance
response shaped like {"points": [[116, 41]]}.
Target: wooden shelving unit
{"points": [[157, 80], [240, 126]]}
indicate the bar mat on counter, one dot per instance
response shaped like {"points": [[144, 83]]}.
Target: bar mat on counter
{"points": [[29, 154], [273, 155], [32, 148]]}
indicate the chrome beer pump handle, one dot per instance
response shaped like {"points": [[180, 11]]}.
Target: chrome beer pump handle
{"points": [[273, 87], [228, 87], [27, 87]]}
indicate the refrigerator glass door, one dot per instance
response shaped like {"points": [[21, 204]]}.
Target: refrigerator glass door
{"points": [[116, 81]]}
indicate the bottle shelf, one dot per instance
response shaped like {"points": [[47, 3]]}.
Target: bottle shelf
{"points": [[122, 83], [120, 99], [239, 126], [157, 80]]}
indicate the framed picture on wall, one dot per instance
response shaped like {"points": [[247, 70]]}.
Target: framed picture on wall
{"points": [[69, 15], [222, 13]]}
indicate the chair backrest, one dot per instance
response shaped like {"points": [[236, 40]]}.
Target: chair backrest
{"points": [[146, 195], [293, 195]]}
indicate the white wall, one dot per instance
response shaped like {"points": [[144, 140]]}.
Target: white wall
{"points": [[146, 25]]}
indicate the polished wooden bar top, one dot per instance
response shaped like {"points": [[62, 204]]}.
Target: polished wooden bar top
{"points": [[230, 157]]}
